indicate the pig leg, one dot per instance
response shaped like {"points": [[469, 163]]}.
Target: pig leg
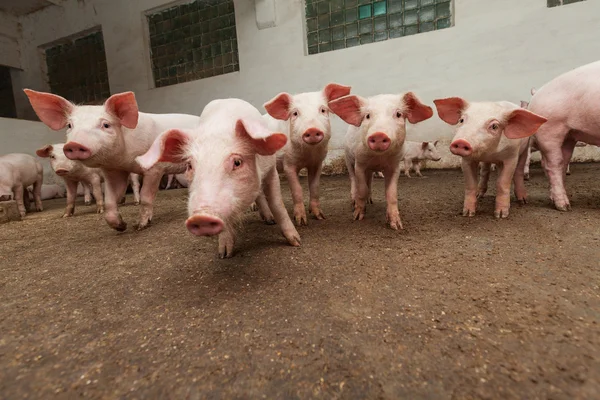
{"points": [[97, 191], [87, 196], [272, 191], [169, 181], [115, 187], [362, 191], [527, 160], [370, 184], [505, 177], [567, 149], [37, 191], [407, 165], [352, 176], [470, 172], [226, 241], [71, 195], [26, 199], [263, 209], [391, 195], [294, 182], [314, 176], [18, 192], [554, 163], [483, 179], [519, 176], [417, 168], [147, 195], [135, 185]]}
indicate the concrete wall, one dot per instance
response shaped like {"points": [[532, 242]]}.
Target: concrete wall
{"points": [[497, 50], [10, 34], [19, 136]]}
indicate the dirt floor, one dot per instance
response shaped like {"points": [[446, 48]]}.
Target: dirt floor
{"points": [[450, 308]]}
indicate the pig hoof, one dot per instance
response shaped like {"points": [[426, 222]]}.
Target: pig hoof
{"points": [[293, 238], [481, 194], [370, 200], [359, 213], [300, 219], [317, 213], [67, 215], [522, 202], [253, 207], [270, 221], [88, 203], [137, 203], [501, 214], [396, 225], [100, 210], [565, 207], [468, 213], [39, 209], [526, 177]]}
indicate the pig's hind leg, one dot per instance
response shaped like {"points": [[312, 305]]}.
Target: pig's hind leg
{"points": [[556, 151], [263, 209]]}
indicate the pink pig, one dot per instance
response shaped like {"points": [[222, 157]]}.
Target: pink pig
{"points": [[17, 172], [375, 142], [230, 158], [72, 173], [571, 102], [304, 118], [109, 137], [490, 133]]}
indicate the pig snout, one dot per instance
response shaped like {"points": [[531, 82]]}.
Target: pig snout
{"points": [[61, 172], [379, 141], [76, 151], [460, 147], [204, 225], [312, 136]]}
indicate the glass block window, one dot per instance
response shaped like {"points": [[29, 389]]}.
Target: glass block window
{"points": [[554, 3], [193, 41], [7, 98], [77, 68], [337, 24]]}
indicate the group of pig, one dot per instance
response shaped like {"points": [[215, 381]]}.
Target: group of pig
{"points": [[231, 154]]}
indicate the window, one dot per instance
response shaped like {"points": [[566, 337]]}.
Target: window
{"points": [[554, 3], [7, 98], [77, 68], [337, 24], [193, 41]]}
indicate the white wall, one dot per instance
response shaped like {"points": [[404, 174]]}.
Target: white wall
{"points": [[497, 50], [19, 136]]}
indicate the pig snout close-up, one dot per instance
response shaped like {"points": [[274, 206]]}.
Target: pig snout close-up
{"points": [[304, 118], [490, 133], [230, 159], [374, 143]]}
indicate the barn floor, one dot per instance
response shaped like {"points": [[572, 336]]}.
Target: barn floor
{"points": [[449, 308]]}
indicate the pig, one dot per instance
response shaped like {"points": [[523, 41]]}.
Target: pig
{"points": [[375, 142], [73, 172], [230, 158], [170, 179], [415, 152], [48, 192], [17, 172], [109, 137], [84, 190], [490, 132], [182, 180], [304, 118], [571, 102]]}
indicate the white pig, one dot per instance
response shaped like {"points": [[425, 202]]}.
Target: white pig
{"points": [[230, 157], [73, 172], [17, 172], [415, 152], [109, 137], [304, 118], [48, 192], [375, 141], [490, 133]]}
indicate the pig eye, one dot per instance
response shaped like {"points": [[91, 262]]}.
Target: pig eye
{"points": [[295, 113], [460, 121], [237, 162], [69, 125], [368, 116], [494, 126], [189, 167], [52, 157], [323, 110], [398, 114], [106, 125]]}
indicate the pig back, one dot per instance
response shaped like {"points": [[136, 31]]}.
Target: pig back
{"points": [[25, 169]]}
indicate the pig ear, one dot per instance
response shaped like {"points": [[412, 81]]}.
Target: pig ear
{"points": [[279, 106], [52, 110], [124, 107], [533, 91], [424, 145], [416, 110], [522, 123], [450, 109], [334, 91], [167, 147], [44, 152], [348, 108], [524, 104], [263, 141]]}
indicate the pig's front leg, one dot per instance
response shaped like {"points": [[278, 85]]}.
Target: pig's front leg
{"points": [[272, 191], [314, 177], [294, 182], [484, 177], [417, 168], [135, 185], [263, 209], [569, 169], [549, 139], [226, 242], [352, 176], [519, 176], [71, 196], [97, 192], [527, 159], [362, 191], [87, 196], [115, 186], [505, 176], [391, 195], [148, 194], [370, 185], [470, 173], [18, 191], [37, 192], [407, 165]]}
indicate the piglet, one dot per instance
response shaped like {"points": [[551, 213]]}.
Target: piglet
{"points": [[48, 192], [304, 118], [73, 172], [415, 152], [109, 137], [375, 142], [230, 158], [17, 172], [490, 133]]}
